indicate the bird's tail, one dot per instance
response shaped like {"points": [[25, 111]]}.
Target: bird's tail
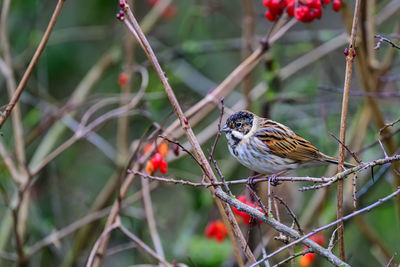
{"points": [[335, 161]]}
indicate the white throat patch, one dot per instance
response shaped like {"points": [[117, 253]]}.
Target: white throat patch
{"points": [[237, 135]]}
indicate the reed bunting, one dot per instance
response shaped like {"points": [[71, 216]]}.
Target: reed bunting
{"points": [[269, 147]]}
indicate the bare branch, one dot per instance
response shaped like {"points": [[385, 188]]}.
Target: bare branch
{"points": [[27, 74]]}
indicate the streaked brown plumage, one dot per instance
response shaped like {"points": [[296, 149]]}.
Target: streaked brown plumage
{"points": [[269, 147]]}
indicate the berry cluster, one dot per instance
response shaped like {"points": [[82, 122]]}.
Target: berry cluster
{"points": [[307, 259], [244, 216], [217, 230], [302, 10], [157, 161]]}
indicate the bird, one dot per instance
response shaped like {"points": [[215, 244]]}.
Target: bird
{"points": [[269, 147]]}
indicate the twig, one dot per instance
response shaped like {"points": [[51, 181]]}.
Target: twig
{"points": [[241, 181], [349, 64], [291, 213], [390, 261], [182, 147], [253, 193], [383, 39], [358, 168], [388, 125], [32, 64], [218, 131], [301, 253], [354, 191], [332, 242], [353, 154], [383, 149], [142, 245], [148, 207], [106, 231]]}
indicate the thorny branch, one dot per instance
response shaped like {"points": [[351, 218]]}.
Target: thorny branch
{"points": [[318, 249]]}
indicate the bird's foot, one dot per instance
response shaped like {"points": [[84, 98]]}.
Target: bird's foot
{"points": [[273, 178], [250, 179]]}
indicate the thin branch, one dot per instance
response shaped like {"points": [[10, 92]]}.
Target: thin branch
{"points": [[142, 245], [349, 67], [98, 242], [148, 207], [383, 39], [27, 74], [218, 131], [241, 181], [291, 213], [388, 125], [353, 154], [301, 253], [358, 168]]}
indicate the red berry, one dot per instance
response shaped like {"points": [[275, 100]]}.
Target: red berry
{"points": [[290, 10], [270, 16], [163, 149], [156, 160], [163, 167], [326, 2], [302, 13], [274, 6], [306, 260], [216, 230], [313, 3], [318, 238], [266, 2], [336, 5], [245, 217], [122, 78], [150, 168], [317, 13]]}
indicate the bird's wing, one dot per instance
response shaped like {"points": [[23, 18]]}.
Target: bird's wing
{"points": [[283, 142]]}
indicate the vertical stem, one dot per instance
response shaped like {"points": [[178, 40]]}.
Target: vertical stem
{"points": [[247, 46], [349, 63]]}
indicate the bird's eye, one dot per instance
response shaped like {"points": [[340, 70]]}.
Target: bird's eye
{"points": [[238, 124]]}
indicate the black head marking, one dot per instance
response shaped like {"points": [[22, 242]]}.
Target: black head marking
{"points": [[241, 121]]}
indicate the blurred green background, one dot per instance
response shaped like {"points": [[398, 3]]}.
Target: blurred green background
{"points": [[198, 47]]}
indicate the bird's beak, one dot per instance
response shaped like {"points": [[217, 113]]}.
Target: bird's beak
{"points": [[225, 129]]}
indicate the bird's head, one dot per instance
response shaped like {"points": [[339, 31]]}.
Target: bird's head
{"points": [[238, 125]]}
